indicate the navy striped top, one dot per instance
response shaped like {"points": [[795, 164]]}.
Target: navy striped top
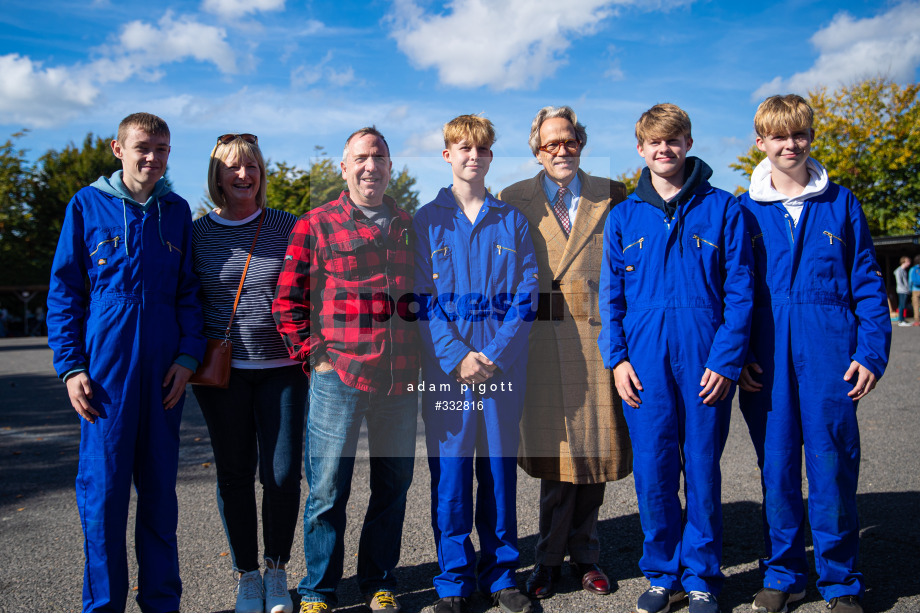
{"points": [[219, 251]]}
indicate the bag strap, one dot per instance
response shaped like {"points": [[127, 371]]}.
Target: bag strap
{"points": [[239, 290]]}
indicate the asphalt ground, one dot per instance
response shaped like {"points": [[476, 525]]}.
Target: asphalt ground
{"points": [[41, 556]]}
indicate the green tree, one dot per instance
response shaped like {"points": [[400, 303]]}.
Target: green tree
{"points": [[402, 190], [56, 177], [297, 190], [867, 135], [326, 181], [15, 194], [288, 188]]}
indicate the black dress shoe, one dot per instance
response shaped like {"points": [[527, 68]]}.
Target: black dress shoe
{"points": [[512, 600], [593, 578], [450, 604], [542, 581]]}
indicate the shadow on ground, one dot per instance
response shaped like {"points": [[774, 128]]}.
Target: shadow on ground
{"points": [[890, 552]]}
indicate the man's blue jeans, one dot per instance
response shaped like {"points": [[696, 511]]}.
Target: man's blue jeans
{"points": [[333, 426]]}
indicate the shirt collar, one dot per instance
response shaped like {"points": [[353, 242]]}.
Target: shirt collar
{"points": [[445, 198], [350, 209], [550, 187]]}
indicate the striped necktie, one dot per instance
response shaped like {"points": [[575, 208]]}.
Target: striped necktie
{"points": [[562, 211]]}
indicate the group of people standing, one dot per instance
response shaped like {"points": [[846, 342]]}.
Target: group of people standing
{"points": [[907, 287], [539, 328]]}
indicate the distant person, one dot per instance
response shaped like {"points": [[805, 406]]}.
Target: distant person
{"points": [[257, 421], [573, 434], [28, 325], [347, 264], [125, 326], [39, 330], [819, 343], [476, 271], [914, 281], [902, 287], [4, 318], [675, 304]]}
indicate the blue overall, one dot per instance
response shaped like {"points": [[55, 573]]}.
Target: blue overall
{"points": [[819, 303], [139, 315], [675, 299], [478, 284]]}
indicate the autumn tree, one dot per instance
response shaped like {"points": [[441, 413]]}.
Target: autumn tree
{"points": [[630, 179], [867, 135]]}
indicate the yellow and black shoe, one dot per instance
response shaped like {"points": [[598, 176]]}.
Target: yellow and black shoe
{"points": [[383, 601]]}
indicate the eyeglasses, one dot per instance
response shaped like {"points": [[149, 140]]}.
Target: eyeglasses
{"points": [[552, 148], [226, 139]]}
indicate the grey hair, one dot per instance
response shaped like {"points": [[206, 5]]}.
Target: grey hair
{"points": [[565, 112], [372, 130]]}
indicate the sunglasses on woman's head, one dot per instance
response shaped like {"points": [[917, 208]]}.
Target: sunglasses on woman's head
{"points": [[226, 139]]}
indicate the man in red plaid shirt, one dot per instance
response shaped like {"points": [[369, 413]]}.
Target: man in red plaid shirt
{"points": [[342, 307]]}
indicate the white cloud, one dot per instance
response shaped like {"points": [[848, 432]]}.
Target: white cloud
{"points": [[37, 96], [142, 45], [614, 71], [399, 113], [238, 8], [342, 78], [504, 45], [306, 75], [854, 49], [420, 144]]}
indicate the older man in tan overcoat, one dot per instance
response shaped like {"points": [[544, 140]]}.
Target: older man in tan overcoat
{"points": [[573, 434]]}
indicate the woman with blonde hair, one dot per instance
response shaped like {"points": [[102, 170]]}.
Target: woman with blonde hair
{"points": [[258, 420]]}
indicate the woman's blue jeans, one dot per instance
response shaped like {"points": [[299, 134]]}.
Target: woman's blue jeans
{"points": [[257, 421], [333, 427]]}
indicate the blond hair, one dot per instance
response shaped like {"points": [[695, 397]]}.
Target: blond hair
{"points": [[242, 150], [663, 121], [474, 129], [145, 122], [783, 115]]}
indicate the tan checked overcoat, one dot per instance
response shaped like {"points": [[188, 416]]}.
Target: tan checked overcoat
{"points": [[572, 429]]}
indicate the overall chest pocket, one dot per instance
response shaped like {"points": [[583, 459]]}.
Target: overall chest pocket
{"points": [[442, 268], [703, 246], [829, 257], [635, 260], [352, 259], [103, 246], [504, 264]]}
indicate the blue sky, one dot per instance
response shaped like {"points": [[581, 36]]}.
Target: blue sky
{"points": [[302, 74]]}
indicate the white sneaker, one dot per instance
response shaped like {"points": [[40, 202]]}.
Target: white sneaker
{"points": [[277, 597], [249, 597], [904, 324]]}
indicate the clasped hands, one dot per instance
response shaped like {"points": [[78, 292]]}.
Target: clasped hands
{"points": [[475, 368]]}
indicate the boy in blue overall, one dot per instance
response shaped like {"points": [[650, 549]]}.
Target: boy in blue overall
{"points": [[126, 329], [819, 343], [477, 275], [675, 304]]}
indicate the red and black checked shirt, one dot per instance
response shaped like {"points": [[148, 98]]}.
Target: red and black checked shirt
{"points": [[339, 294]]}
